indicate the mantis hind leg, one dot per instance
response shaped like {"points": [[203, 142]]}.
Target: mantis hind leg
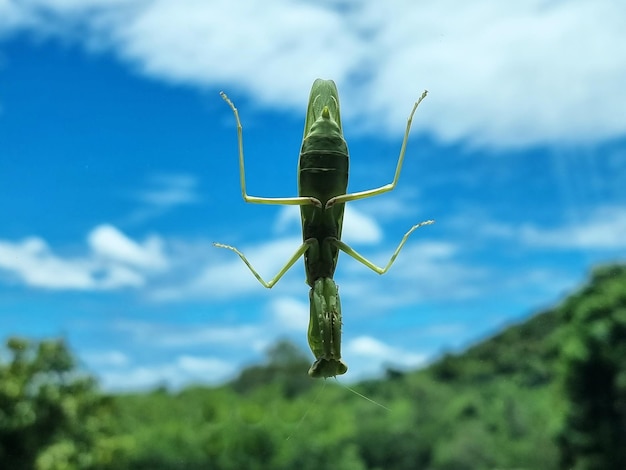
{"points": [[361, 259], [269, 284], [388, 187], [286, 201]]}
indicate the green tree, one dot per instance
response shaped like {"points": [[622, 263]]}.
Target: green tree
{"points": [[51, 417], [286, 366], [594, 374]]}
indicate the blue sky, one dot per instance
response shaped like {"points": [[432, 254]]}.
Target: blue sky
{"points": [[118, 169]]}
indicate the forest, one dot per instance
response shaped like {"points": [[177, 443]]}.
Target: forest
{"points": [[549, 393]]}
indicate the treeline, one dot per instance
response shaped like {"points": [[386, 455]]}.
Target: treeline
{"points": [[549, 393]]}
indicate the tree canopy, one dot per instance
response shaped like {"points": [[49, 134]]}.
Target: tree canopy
{"points": [[547, 393]]}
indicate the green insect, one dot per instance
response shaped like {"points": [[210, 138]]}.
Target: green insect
{"points": [[322, 185]]}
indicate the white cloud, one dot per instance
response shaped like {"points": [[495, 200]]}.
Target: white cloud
{"points": [[424, 271], [10, 16], [237, 343], [225, 276], [201, 367], [108, 242], [172, 335], [105, 358], [600, 228], [290, 313], [163, 193], [604, 230], [115, 261], [115, 276], [360, 228], [34, 264], [401, 204], [179, 270], [172, 270], [453, 330], [499, 74], [288, 218], [138, 378], [170, 190], [367, 354], [184, 370]]}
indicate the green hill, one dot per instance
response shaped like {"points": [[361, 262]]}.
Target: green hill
{"points": [[544, 394]]}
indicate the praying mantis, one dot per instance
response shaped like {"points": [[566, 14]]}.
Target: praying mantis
{"points": [[322, 185]]}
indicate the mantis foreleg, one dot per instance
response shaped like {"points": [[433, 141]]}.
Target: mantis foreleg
{"points": [[361, 259], [387, 187], [325, 329]]}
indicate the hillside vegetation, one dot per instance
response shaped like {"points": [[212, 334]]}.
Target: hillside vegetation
{"points": [[545, 394]]}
